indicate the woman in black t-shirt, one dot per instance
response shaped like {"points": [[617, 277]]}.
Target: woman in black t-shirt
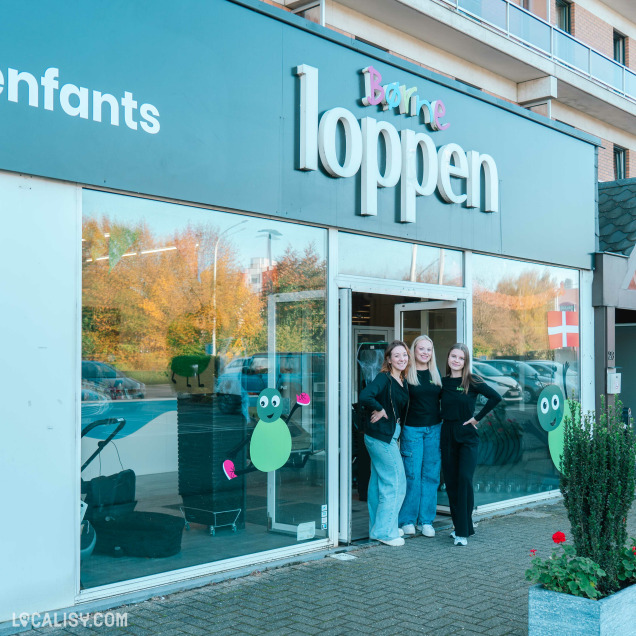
{"points": [[419, 442], [459, 438]]}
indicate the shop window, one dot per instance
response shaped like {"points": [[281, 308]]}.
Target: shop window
{"points": [[620, 162], [564, 16], [179, 339], [619, 48], [525, 345], [397, 260]]}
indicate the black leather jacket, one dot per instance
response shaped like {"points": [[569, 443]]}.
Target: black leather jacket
{"points": [[384, 393]]}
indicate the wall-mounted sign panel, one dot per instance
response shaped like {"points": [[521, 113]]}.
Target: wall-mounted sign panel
{"points": [[250, 108]]}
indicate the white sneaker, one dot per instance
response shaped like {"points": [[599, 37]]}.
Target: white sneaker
{"points": [[452, 534], [408, 529], [428, 530], [461, 541], [393, 542], [401, 532]]}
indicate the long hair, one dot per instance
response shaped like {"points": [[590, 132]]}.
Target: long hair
{"points": [[386, 364], [467, 375], [411, 376]]}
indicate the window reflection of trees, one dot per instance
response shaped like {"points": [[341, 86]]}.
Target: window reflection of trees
{"points": [[511, 318], [147, 299]]}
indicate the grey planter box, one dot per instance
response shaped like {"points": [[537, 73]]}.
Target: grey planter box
{"points": [[557, 614]]}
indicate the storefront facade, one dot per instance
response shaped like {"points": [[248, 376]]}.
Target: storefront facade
{"points": [[220, 198]]}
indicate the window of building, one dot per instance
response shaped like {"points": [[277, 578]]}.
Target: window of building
{"points": [[181, 358], [525, 344], [564, 16], [620, 162], [619, 48]]}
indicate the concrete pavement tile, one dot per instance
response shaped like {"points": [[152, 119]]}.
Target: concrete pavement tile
{"points": [[505, 630]]}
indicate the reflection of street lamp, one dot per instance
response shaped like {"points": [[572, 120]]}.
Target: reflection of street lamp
{"points": [[271, 234], [216, 250]]}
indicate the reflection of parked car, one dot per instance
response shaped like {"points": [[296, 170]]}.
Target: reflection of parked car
{"points": [[531, 381], [103, 377], [90, 393], [508, 388], [228, 386], [553, 372], [244, 378]]}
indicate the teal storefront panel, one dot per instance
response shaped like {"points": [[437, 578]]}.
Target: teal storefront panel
{"points": [[208, 108]]}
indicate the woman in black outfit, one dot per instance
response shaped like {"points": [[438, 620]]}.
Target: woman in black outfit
{"points": [[387, 397], [459, 438], [419, 442]]}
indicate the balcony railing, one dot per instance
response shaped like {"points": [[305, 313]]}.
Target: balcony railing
{"points": [[518, 24]]}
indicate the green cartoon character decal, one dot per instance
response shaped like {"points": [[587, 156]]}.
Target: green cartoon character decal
{"points": [[551, 410], [550, 407], [270, 442]]}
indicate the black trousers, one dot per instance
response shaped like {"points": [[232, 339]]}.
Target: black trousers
{"points": [[460, 446]]}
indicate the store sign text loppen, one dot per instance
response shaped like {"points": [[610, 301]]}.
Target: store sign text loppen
{"points": [[318, 139]]}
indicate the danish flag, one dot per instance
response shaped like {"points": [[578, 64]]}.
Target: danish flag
{"points": [[563, 329]]}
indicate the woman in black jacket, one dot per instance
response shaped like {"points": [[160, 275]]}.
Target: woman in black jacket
{"points": [[459, 438], [388, 398]]}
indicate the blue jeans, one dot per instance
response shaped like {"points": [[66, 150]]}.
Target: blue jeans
{"points": [[387, 487], [420, 451]]}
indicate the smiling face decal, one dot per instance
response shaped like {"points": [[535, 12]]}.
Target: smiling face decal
{"points": [[550, 407], [270, 405]]}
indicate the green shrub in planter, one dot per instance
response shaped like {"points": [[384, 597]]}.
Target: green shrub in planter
{"points": [[565, 571], [597, 482]]}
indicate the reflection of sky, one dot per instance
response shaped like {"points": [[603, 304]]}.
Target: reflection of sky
{"points": [[164, 219], [384, 258], [490, 270]]}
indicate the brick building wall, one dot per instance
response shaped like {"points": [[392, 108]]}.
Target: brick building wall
{"points": [[553, 12], [606, 161], [630, 53], [539, 8], [592, 31]]}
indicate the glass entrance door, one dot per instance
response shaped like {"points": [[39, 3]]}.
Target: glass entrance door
{"points": [[368, 323]]}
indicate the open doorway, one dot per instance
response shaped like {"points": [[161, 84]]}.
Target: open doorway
{"points": [[375, 320]]}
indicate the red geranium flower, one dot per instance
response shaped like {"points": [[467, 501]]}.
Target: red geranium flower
{"points": [[533, 552], [634, 549], [558, 537]]}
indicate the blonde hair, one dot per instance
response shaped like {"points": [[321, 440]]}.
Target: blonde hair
{"points": [[411, 377], [467, 376], [386, 365]]}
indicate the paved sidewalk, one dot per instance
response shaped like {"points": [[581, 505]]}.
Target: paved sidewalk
{"points": [[427, 586]]}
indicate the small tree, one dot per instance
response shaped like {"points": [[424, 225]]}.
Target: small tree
{"points": [[597, 482]]}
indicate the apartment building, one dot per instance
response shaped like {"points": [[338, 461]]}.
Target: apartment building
{"points": [[574, 62]]}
